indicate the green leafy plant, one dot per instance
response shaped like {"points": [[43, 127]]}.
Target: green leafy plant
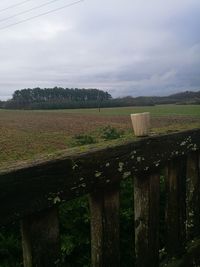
{"points": [[84, 139], [75, 232], [110, 133], [10, 246]]}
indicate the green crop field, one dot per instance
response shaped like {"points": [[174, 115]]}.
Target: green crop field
{"points": [[29, 134], [159, 110]]}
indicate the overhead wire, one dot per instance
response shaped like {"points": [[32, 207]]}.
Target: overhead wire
{"points": [[28, 10], [15, 5], [40, 15]]}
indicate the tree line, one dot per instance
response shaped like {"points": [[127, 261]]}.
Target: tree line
{"points": [[60, 98], [57, 97]]}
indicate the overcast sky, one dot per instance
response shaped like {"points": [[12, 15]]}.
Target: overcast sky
{"points": [[129, 47]]}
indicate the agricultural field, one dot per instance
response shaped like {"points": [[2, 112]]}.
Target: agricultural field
{"points": [[29, 134]]}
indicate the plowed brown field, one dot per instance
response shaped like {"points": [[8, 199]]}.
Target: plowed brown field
{"points": [[25, 135]]}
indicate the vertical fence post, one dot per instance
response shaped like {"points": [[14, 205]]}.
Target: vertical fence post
{"points": [[96, 224], [175, 214], [146, 210], [193, 195], [40, 239], [104, 208]]}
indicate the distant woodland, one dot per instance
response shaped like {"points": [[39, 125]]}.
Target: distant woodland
{"points": [[63, 98]]}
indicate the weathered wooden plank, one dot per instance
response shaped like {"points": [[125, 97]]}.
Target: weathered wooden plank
{"points": [[111, 226], [104, 207], [154, 219], [36, 186], [176, 206], [193, 195], [96, 213], [40, 239], [146, 211]]}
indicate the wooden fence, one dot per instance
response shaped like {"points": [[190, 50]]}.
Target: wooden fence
{"points": [[32, 192]]}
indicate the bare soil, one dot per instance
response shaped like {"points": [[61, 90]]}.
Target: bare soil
{"points": [[25, 135], [77, 123]]}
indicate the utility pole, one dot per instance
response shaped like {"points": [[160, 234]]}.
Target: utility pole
{"points": [[99, 101]]}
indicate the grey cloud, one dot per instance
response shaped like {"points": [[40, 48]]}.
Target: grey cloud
{"points": [[127, 47]]}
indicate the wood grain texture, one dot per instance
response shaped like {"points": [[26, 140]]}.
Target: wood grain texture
{"points": [[176, 206], [40, 239], [146, 207], [104, 207], [193, 195]]}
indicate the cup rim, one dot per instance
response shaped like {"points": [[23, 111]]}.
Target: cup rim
{"points": [[142, 113]]}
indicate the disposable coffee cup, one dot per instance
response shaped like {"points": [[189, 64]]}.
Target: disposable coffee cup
{"points": [[141, 123]]}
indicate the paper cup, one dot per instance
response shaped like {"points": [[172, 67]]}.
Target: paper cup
{"points": [[141, 123]]}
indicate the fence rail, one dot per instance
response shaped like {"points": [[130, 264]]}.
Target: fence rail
{"points": [[31, 193]]}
